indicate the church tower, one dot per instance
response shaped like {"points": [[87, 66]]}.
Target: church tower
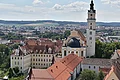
{"points": [[91, 31]]}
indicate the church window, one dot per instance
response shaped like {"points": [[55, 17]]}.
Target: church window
{"points": [[90, 32], [68, 51], [90, 38], [81, 53], [90, 27], [89, 67], [64, 53]]}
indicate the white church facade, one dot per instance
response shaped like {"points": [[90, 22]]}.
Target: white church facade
{"points": [[77, 43]]}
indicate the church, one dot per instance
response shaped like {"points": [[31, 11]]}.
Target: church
{"points": [[77, 43]]}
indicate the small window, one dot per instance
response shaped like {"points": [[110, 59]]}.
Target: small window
{"points": [[15, 57], [65, 53], [90, 32], [36, 59], [18, 58], [91, 14], [89, 67], [90, 27], [36, 63], [12, 57], [81, 53], [21, 68], [49, 55], [41, 55], [21, 57], [94, 67], [90, 23], [46, 55], [90, 38]]}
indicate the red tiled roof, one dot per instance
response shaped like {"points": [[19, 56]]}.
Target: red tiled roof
{"points": [[56, 69], [105, 70], [40, 74], [60, 70], [71, 61]]}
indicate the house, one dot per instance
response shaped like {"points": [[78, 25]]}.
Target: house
{"points": [[95, 64]]}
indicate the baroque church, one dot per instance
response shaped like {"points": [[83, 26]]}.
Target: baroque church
{"points": [[77, 43]]}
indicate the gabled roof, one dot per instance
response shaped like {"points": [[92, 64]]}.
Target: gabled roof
{"points": [[40, 74], [56, 69], [116, 54], [97, 61], [71, 61]]}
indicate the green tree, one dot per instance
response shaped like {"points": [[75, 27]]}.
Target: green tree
{"points": [[100, 76], [16, 70], [10, 73], [88, 75]]}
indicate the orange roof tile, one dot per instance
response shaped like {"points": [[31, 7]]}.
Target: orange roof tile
{"points": [[56, 69], [40, 74]]}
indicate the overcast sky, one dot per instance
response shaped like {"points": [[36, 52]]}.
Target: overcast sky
{"points": [[61, 10]]}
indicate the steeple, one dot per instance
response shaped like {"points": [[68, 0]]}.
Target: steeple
{"points": [[92, 5]]}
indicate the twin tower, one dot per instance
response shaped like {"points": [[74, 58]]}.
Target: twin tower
{"points": [[91, 31]]}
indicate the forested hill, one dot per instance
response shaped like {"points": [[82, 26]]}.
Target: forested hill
{"points": [[115, 24]]}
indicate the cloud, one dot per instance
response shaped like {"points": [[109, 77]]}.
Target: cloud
{"points": [[75, 6], [112, 3], [36, 2]]}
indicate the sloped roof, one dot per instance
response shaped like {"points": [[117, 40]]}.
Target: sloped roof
{"points": [[71, 61], [40, 74], [97, 61]]}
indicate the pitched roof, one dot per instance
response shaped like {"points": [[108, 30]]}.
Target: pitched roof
{"points": [[96, 61], [40, 74], [56, 69], [71, 61], [116, 54]]}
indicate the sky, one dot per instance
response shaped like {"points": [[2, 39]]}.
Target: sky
{"points": [[59, 10]]}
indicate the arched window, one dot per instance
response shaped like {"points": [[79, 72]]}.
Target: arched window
{"points": [[81, 53], [65, 53], [90, 27]]}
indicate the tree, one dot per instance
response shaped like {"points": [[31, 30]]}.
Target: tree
{"points": [[88, 75], [10, 73], [100, 76], [16, 70]]}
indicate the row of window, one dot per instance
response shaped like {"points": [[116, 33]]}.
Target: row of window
{"points": [[42, 64], [47, 60], [73, 52], [17, 58], [41, 55]]}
